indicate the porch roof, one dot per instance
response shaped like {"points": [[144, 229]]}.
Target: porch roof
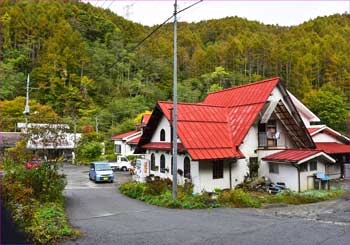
{"points": [[124, 135], [333, 147], [162, 146], [297, 156]]}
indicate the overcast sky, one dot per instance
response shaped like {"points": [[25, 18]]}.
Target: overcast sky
{"points": [[284, 13]]}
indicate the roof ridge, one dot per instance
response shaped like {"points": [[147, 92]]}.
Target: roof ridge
{"points": [[194, 104], [245, 85]]}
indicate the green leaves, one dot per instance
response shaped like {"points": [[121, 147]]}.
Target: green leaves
{"points": [[329, 104]]}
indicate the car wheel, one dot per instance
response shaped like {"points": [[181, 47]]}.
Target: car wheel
{"points": [[111, 181], [124, 168]]}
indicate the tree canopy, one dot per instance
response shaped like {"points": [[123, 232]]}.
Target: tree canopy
{"points": [[82, 66]]}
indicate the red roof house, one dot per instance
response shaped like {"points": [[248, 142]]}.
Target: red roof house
{"points": [[222, 134]]}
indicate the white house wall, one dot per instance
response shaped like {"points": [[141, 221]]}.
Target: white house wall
{"points": [[207, 182], [307, 179], [323, 137], [180, 165], [287, 174], [163, 124]]}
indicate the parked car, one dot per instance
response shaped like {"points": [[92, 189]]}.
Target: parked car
{"points": [[101, 172], [122, 163], [34, 163]]}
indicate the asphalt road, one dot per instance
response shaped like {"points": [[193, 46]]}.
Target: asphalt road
{"points": [[106, 216]]}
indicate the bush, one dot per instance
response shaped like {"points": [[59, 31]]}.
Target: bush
{"points": [[88, 152], [310, 196], [49, 224], [238, 198], [158, 192], [35, 200]]}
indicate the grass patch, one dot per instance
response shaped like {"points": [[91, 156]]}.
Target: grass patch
{"points": [[158, 192]]}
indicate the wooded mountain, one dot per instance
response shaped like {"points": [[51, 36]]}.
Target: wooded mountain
{"points": [[80, 62]]}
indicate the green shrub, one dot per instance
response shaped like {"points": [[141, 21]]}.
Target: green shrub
{"points": [[133, 189], [49, 224], [238, 198], [35, 200], [158, 186], [310, 196]]}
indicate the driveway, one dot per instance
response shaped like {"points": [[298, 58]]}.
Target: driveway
{"points": [[106, 216]]}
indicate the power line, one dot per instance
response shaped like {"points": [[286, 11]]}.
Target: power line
{"points": [[148, 36]]}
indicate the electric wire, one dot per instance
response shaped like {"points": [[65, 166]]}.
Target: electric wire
{"points": [[147, 37]]}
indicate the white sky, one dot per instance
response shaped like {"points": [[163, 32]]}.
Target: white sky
{"points": [[284, 13]]}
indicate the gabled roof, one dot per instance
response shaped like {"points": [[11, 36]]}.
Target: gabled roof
{"points": [[303, 109], [333, 147], [296, 156], [252, 93], [134, 140], [145, 119], [314, 130], [215, 128], [203, 130], [124, 135]]}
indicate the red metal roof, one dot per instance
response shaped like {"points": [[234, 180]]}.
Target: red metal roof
{"points": [[121, 136], [333, 147], [134, 140], [145, 118], [251, 93], [162, 146], [215, 128], [312, 130], [291, 155]]}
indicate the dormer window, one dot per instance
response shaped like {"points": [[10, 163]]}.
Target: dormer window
{"points": [[162, 135]]}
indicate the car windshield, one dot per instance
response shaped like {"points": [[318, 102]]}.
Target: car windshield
{"points": [[101, 167]]}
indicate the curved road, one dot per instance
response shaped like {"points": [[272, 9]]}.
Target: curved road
{"points": [[106, 216]]}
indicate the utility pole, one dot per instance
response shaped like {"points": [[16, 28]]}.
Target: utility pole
{"points": [[174, 143], [26, 108]]}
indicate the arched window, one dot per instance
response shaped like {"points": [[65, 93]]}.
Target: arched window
{"points": [[187, 167], [162, 135], [162, 163], [153, 162]]}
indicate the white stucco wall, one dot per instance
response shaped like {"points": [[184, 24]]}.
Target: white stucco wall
{"points": [[207, 182], [125, 148], [180, 165], [323, 137], [163, 124], [306, 178]]}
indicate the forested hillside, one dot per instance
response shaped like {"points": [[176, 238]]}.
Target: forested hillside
{"points": [[81, 66]]}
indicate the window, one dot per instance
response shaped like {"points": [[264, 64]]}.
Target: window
{"points": [[267, 133], [187, 168], [123, 159], [271, 133], [118, 148], [162, 135], [303, 167], [218, 169], [162, 163], [313, 165], [153, 162], [273, 168]]}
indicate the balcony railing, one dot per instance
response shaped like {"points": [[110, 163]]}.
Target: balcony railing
{"points": [[266, 140]]}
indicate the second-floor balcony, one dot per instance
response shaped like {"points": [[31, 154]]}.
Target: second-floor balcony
{"points": [[267, 140]]}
